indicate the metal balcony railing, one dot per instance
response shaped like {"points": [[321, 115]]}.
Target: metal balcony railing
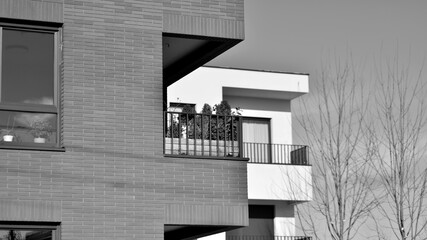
{"points": [[268, 238], [276, 153], [202, 135]]}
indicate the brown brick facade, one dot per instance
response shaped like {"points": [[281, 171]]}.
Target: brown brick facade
{"points": [[112, 181]]}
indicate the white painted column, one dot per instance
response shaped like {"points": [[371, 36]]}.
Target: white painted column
{"points": [[284, 220], [218, 236]]}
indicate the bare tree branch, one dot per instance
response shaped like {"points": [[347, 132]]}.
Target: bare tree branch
{"points": [[400, 150], [333, 125]]}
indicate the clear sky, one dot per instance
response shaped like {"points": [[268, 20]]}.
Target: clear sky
{"points": [[296, 35]]}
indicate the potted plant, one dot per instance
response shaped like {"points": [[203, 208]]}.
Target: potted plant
{"points": [[41, 130], [8, 133]]}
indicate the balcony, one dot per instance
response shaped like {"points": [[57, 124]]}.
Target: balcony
{"points": [[202, 135], [276, 153], [268, 238], [278, 172]]}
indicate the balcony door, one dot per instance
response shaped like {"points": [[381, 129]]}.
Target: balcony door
{"points": [[256, 139]]}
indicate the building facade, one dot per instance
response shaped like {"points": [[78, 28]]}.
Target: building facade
{"points": [[83, 94], [278, 172]]}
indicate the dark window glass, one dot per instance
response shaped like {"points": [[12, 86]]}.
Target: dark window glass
{"points": [[261, 211], [26, 234], [26, 128], [27, 67]]}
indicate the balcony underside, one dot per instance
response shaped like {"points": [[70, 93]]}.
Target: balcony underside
{"points": [[177, 232], [193, 221], [184, 53]]}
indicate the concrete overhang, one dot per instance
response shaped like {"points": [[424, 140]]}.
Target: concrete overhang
{"points": [[259, 83], [260, 93], [184, 53]]}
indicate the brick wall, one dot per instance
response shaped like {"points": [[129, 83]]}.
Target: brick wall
{"points": [[112, 182], [223, 9]]}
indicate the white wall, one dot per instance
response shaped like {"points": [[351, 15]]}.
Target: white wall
{"points": [[284, 219], [218, 236], [279, 182], [207, 85], [279, 111]]}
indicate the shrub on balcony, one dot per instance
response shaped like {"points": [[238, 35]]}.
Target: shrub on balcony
{"points": [[219, 126]]}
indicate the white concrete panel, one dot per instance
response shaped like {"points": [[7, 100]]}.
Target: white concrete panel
{"points": [[205, 84], [284, 226], [259, 79], [279, 182], [218, 236], [284, 220]]}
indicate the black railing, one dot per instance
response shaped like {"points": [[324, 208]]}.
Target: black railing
{"points": [[202, 135], [276, 153], [268, 238]]}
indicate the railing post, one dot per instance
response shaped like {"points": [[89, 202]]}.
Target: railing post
{"points": [[171, 131], [210, 134], [201, 134], [240, 136], [179, 133], [194, 135], [232, 135], [186, 134], [217, 136], [225, 136], [165, 123]]}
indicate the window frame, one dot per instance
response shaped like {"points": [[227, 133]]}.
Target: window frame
{"points": [[54, 227], [56, 107]]}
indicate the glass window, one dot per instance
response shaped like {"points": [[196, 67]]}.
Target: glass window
{"points": [[29, 232], [256, 130], [28, 83], [27, 67], [27, 128]]}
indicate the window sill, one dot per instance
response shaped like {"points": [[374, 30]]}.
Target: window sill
{"points": [[32, 147]]}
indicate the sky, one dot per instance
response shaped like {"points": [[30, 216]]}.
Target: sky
{"points": [[301, 35], [298, 35]]}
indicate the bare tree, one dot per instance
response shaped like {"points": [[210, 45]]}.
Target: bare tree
{"points": [[400, 152], [333, 124]]}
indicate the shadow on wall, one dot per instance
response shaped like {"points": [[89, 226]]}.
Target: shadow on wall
{"points": [[265, 104], [261, 222]]}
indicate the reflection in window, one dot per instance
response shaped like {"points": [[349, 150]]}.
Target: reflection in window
{"points": [[27, 67], [22, 127], [26, 234]]}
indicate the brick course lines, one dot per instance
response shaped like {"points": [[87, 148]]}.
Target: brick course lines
{"points": [[113, 182]]}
